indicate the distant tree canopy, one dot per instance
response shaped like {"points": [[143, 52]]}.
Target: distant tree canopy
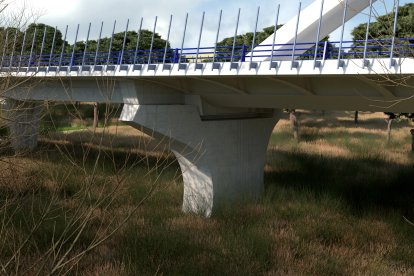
{"points": [[130, 42], [383, 28], [247, 39], [40, 28], [17, 36], [14, 34]]}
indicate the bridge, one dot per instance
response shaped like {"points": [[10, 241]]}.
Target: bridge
{"points": [[218, 105]]}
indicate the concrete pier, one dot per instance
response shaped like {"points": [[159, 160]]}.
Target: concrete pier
{"points": [[23, 118], [222, 160]]}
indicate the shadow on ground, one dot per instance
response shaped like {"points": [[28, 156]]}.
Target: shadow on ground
{"points": [[346, 119], [364, 184], [126, 156]]}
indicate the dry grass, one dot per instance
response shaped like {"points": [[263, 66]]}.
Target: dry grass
{"points": [[121, 138], [334, 205]]}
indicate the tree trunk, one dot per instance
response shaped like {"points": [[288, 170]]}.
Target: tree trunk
{"points": [[356, 117], [389, 125], [95, 116], [294, 123], [412, 139]]}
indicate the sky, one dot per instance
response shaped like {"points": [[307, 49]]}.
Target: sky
{"points": [[72, 12]]}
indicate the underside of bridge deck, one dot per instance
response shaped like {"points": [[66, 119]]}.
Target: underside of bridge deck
{"points": [[218, 127]]}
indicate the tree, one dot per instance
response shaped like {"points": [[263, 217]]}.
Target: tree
{"points": [[294, 123], [412, 139], [243, 44], [40, 29], [130, 45], [382, 29], [356, 115], [246, 40]]}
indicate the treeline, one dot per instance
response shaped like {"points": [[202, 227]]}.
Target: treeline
{"points": [[382, 29], [383, 25], [19, 40], [244, 42]]}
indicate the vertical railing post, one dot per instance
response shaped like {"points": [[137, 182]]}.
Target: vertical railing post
{"points": [[42, 47], [364, 62], [199, 41], [31, 49], [274, 37], [318, 34], [22, 50], [235, 37], [217, 38], [110, 45], [342, 34], [254, 38], [138, 39], [5, 47], [296, 37], [123, 44], [325, 51], [13, 48], [86, 45], [396, 7], [152, 42], [52, 48], [72, 58], [182, 42], [98, 44], [63, 46], [166, 43]]}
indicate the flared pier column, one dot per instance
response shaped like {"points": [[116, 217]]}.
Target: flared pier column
{"points": [[222, 159], [23, 120]]}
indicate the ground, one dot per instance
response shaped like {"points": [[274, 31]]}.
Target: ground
{"points": [[338, 202]]}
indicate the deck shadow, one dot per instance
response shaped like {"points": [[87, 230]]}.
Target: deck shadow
{"points": [[364, 184]]}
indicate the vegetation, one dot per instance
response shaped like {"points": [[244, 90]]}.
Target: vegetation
{"points": [[383, 26], [382, 29], [247, 38], [33, 34], [61, 116], [334, 204], [244, 42]]}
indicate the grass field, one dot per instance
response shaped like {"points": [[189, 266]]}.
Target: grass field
{"points": [[335, 203]]}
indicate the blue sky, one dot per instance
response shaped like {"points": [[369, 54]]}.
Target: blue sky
{"points": [[71, 12]]}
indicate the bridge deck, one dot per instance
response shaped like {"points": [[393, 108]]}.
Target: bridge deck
{"points": [[377, 66]]}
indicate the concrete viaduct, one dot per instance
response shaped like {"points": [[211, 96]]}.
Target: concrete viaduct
{"points": [[218, 113]]}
